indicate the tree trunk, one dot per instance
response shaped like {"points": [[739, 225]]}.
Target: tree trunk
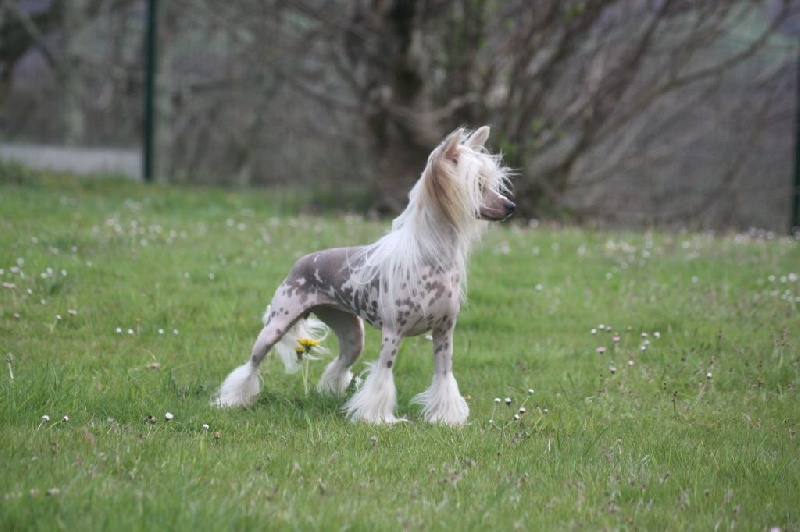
{"points": [[163, 167], [70, 74], [399, 135]]}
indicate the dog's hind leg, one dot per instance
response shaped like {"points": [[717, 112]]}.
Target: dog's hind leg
{"points": [[242, 386], [375, 401], [349, 329], [442, 402]]}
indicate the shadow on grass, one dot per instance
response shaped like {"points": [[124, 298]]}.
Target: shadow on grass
{"points": [[313, 404]]}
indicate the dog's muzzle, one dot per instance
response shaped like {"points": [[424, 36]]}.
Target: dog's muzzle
{"points": [[500, 213], [510, 207]]}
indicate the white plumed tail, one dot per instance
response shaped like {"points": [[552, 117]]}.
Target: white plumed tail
{"points": [[242, 386], [305, 329]]}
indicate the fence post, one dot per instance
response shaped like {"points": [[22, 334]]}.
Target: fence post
{"points": [[794, 227], [149, 92]]}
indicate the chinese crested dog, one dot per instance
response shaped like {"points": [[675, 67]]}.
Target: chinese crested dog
{"points": [[409, 282]]}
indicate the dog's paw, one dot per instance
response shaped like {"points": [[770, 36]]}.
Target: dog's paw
{"points": [[378, 420], [442, 402], [454, 419], [334, 381], [240, 388], [375, 401]]}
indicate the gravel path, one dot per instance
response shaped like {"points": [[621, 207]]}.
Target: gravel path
{"points": [[79, 160]]}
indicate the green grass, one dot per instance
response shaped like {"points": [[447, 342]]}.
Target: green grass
{"points": [[656, 444]]}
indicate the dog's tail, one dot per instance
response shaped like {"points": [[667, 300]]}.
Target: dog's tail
{"points": [[242, 386]]}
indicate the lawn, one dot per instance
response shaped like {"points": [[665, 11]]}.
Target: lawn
{"points": [[658, 374]]}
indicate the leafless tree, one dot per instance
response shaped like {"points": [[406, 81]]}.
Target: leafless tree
{"points": [[573, 88], [70, 75], [73, 65]]}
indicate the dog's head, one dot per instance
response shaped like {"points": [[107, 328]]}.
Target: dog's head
{"points": [[466, 181]]}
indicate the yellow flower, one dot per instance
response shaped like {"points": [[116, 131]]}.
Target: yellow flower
{"points": [[306, 346], [308, 343]]}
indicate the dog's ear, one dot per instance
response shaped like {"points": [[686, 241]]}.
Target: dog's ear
{"points": [[440, 180], [478, 138], [451, 143]]}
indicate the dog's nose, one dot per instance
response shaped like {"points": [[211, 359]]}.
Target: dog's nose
{"points": [[510, 208]]}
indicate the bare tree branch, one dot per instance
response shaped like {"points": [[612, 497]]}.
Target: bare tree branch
{"points": [[33, 31]]}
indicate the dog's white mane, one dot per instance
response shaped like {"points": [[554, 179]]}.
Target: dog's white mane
{"points": [[436, 231]]}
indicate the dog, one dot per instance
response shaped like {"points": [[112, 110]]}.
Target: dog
{"points": [[411, 281]]}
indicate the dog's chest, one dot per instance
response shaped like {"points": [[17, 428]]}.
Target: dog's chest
{"points": [[410, 302], [410, 305]]}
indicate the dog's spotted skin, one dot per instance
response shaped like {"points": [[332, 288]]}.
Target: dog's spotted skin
{"points": [[326, 284]]}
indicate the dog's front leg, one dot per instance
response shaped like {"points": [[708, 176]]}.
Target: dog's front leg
{"points": [[375, 401], [442, 402]]}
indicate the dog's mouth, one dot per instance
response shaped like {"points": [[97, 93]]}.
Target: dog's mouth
{"points": [[500, 214], [508, 216]]}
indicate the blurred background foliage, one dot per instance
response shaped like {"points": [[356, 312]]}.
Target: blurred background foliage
{"points": [[627, 112]]}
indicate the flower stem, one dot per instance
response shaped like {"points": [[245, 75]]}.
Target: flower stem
{"points": [[305, 375]]}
